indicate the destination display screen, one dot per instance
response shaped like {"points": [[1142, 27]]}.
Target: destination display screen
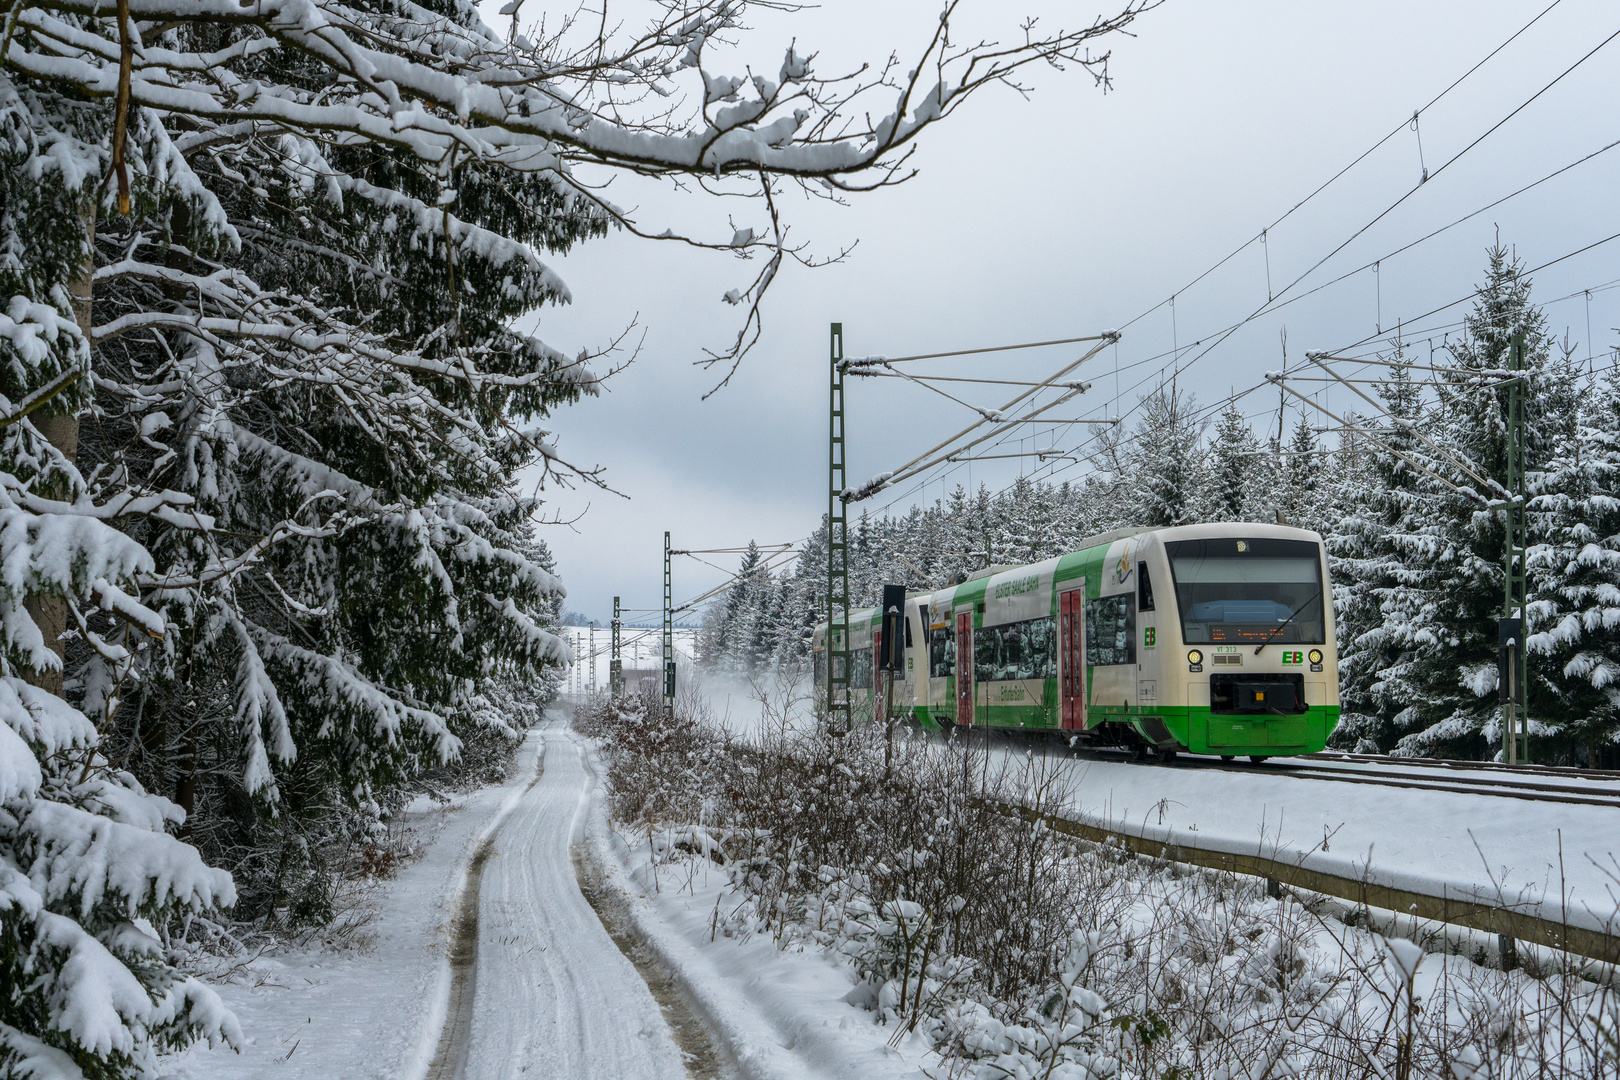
{"points": [[1235, 591]]}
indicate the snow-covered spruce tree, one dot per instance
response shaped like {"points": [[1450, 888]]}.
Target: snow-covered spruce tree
{"points": [[91, 883], [1230, 466], [1297, 488], [1441, 607], [1382, 585], [804, 601], [1575, 584], [731, 622], [353, 654], [1163, 459], [1023, 528]]}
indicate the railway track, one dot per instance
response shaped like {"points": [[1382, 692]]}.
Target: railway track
{"points": [[1609, 775], [1530, 788]]}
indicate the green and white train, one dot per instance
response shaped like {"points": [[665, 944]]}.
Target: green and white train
{"points": [[1213, 639]]}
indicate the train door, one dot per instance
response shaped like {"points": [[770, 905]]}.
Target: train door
{"points": [[1072, 659], [964, 667], [878, 674]]}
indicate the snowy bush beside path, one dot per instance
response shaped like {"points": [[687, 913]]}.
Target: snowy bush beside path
{"points": [[1012, 952]]}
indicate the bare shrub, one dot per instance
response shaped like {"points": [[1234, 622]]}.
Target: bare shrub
{"points": [[1015, 951]]}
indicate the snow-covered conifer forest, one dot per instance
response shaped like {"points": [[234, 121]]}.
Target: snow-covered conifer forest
{"points": [[1417, 566], [271, 562]]}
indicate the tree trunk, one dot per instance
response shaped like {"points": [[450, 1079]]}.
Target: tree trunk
{"points": [[50, 613]]}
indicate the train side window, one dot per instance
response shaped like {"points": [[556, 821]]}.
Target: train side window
{"points": [[1144, 590], [1111, 630], [860, 660], [941, 652], [1014, 651]]}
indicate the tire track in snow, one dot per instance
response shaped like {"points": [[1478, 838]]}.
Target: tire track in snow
{"points": [[450, 1056], [700, 1050]]}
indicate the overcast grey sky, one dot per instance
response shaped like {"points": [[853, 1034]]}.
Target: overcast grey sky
{"points": [[1073, 212]]}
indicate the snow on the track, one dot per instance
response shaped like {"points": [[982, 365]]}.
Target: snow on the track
{"points": [[554, 996], [1469, 845]]}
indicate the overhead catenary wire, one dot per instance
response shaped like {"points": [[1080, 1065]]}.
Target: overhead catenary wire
{"points": [[913, 468], [921, 462], [1471, 295], [1363, 156], [1028, 454], [1271, 304], [767, 564], [1364, 341], [725, 551], [1278, 306], [1381, 444], [872, 374], [1467, 469], [1225, 330]]}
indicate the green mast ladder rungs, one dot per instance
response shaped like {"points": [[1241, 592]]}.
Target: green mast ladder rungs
{"points": [[669, 637], [839, 716], [615, 662]]}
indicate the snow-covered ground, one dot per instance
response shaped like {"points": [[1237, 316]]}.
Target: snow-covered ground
{"points": [[552, 996], [372, 1006], [780, 1015], [1466, 844], [1481, 845]]}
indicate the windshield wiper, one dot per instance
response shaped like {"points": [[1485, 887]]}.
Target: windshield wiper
{"points": [[1280, 627]]}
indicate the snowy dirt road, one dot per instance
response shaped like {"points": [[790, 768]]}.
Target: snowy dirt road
{"points": [[552, 994], [482, 960]]}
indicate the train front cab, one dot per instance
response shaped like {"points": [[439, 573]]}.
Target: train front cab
{"points": [[1216, 639]]}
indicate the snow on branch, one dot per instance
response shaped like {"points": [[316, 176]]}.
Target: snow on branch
{"points": [[454, 94], [258, 706], [89, 858], [336, 683], [542, 644]]}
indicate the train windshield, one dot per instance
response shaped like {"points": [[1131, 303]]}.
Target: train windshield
{"points": [[1234, 591]]}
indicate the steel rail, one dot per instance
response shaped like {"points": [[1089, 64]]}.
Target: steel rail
{"points": [[1611, 775], [1499, 788], [1510, 789]]}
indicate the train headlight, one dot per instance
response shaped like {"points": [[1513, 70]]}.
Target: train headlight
{"points": [[1194, 658], [1316, 656]]}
